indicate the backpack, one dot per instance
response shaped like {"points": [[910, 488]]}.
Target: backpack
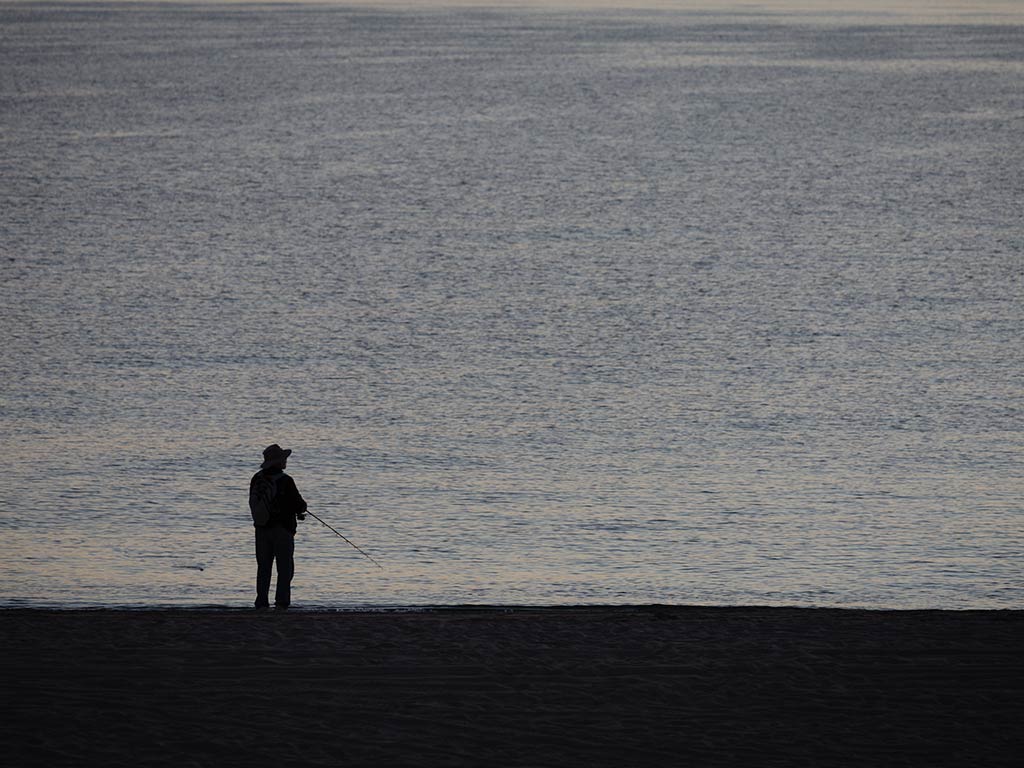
{"points": [[262, 491]]}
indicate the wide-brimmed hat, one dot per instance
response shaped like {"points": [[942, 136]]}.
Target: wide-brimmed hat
{"points": [[273, 454]]}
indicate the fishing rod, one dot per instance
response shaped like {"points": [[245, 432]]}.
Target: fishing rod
{"points": [[357, 549]]}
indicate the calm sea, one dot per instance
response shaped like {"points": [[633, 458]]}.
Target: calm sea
{"points": [[553, 306]]}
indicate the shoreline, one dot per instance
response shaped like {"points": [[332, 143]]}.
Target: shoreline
{"points": [[484, 608], [515, 686]]}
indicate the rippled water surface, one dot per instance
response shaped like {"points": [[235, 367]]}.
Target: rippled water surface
{"points": [[553, 307]]}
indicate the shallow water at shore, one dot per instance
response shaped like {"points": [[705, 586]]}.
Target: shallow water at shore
{"points": [[554, 307]]}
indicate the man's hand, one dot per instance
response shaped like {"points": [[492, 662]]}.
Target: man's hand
{"points": [[301, 515]]}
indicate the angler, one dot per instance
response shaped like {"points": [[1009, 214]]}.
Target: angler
{"points": [[276, 505]]}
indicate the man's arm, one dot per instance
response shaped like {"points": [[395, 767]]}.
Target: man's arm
{"points": [[293, 501]]}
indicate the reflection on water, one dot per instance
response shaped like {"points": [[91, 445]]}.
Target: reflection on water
{"points": [[554, 307]]}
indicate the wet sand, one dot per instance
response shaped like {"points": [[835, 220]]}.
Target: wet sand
{"points": [[626, 686]]}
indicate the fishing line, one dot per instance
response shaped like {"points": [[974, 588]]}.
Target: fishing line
{"points": [[357, 549]]}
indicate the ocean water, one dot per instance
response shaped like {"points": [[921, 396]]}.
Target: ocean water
{"points": [[554, 306]]}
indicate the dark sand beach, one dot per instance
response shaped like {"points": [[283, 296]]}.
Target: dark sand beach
{"points": [[610, 686]]}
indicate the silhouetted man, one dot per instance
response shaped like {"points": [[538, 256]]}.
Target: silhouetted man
{"points": [[276, 504]]}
